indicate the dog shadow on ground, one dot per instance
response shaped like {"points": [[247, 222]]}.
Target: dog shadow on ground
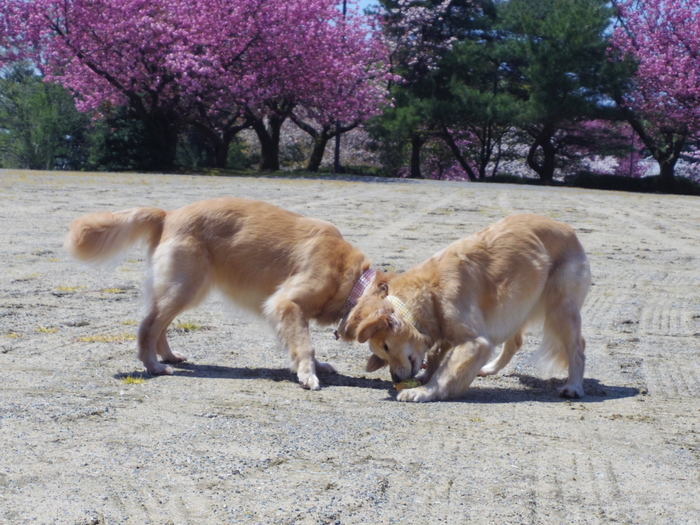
{"points": [[536, 389], [531, 388], [273, 374]]}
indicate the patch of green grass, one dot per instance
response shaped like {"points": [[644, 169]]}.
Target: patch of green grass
{"points": [[113, 290], [14, 335], [129, 322], [47, 329], [119, 338], [70, 288], [129, 380]]}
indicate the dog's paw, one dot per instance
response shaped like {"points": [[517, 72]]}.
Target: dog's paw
{"points": [[175, 357], [571, 391], [159, 370], [309, 382], [325, 368], [416, 395], [487, 371]]}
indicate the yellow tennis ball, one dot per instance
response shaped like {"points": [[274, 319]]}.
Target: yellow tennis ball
{"points": [[409, 383]]}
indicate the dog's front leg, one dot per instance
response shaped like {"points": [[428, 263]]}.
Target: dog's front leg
{"points": [[432, 362], [292, 328], [455, 373]]}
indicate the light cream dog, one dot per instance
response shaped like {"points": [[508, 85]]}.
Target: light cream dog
{"points": [[288, 268], [479, 292]]}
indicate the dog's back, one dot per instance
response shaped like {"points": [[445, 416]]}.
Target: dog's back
{"points": [[251, 244]]}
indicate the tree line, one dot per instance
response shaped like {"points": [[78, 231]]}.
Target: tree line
{"points": [[444, 88]]}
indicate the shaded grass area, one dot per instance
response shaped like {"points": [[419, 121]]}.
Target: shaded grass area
{"points": [[652, 184]]}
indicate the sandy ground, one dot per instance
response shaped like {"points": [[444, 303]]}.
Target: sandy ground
{"points": [[231, 438]]}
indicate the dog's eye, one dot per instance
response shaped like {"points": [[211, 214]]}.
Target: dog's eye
{"points": [[386, 348]]}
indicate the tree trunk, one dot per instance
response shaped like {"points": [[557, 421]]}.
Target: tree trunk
{"points": [[214, 145], [221, 153], [320, 142], [416, 144], [218, 139], [320, 138], [165, 135], [449, 140], [667, 176], [269, 137], [666, 152], [667, 155], [486, 140], [543, 140]]}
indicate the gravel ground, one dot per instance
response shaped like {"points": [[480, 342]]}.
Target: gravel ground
{"points": [[231, 438]]}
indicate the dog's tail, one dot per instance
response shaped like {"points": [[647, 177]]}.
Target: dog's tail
{"points": [[101, 237]]}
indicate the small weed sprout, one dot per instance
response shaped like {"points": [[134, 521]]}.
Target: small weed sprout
{"points": [[187, 326]]}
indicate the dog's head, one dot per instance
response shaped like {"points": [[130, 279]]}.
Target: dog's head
{"points": [[394, 341]]}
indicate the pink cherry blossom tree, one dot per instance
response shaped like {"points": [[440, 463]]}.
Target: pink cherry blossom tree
{"points": [[323, 67], [110, 53], [220, 65], [359, 69], [662, 39]]}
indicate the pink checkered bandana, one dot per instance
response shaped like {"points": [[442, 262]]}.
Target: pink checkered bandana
{"points": [[360, 286]]}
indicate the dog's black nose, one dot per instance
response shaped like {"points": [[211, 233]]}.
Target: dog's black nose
{"points": [[395, 378]]}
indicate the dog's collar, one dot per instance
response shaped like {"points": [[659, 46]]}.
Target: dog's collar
{"points": [[357, 290], [400, 308], [360, 286]]}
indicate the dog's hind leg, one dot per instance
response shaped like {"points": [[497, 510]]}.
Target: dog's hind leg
{"points": [[163, 348], [510, 347], [577, 362], [563, 341], [176, 285], [149, 333]]}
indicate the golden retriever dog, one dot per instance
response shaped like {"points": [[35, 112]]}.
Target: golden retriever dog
{"points": [[285, 267], [474, 295]]}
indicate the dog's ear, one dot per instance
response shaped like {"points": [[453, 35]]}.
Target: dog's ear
{"points": [[377, 322], [383, 283], [375, 363], [349, 326]]}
